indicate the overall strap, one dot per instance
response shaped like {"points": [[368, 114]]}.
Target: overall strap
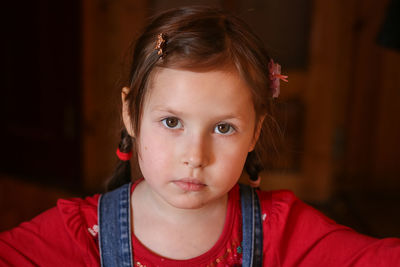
{"points": [[252, 227], [114, 217]]}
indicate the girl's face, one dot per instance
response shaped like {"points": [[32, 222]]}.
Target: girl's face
{"points": [[195, 132]]}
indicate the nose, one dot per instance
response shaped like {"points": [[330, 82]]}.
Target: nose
{"points": [[197, 153]]}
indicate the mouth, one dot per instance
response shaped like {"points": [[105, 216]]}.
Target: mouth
{"points": [[189, 184]]}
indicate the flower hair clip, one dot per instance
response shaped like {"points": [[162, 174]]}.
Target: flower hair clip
{"points": [[275, 76], [160, 45]]}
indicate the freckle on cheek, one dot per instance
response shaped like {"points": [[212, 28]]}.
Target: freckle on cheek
{"points": [[145, 147]]}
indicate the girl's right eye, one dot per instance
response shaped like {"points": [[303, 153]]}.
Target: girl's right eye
{"points": [[172, 123]]}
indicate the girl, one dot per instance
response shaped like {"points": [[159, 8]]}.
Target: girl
{"points": [[195, 113]]}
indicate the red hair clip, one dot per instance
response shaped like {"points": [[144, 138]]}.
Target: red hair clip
{"points": [[275, 76], [123, 155]]}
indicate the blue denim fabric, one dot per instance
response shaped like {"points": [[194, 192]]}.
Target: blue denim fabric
{"points": [[252, 242], [114, 215], [115, 228]]}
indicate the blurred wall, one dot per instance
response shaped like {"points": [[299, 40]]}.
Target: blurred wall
{"points": [[108, 30]]}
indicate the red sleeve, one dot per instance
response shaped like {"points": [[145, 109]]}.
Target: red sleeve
{"points": [[295, 234], [57, 237]]}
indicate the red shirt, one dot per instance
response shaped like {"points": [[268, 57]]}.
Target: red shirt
{"points": [[294, 235]]}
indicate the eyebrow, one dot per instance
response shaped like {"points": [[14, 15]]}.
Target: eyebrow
{"points": [[166, 109], [179, 113]]}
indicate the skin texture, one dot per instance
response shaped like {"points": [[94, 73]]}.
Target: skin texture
{"points": [[196, 130]]}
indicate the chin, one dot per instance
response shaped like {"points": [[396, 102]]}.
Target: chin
{"points": [[184, 203]]}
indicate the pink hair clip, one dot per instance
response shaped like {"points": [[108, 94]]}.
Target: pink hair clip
{"points": [[275, 76]]}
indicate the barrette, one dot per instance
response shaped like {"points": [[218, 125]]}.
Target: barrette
{"points": [[275, 76], [160, 45]]}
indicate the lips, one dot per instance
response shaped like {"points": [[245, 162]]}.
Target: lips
{"points": [[189, 184]]}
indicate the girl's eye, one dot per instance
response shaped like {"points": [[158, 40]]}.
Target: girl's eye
{"points": [[224, 128], [172, 123]]}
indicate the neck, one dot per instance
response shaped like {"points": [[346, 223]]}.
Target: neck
{"points": [[174, 232]]}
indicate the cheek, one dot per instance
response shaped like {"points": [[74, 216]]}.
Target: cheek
{"points": [[233, 156], [155, 154]]}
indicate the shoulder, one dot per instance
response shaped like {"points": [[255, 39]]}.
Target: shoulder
{"points": [[284, 205], [77, 213], [287, 218], [59, 236], [296, 234]]}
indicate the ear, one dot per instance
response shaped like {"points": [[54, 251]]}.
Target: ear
{"points": [[126, 116], [257, 132]]}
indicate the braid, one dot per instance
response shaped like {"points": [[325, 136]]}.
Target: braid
{"points": [[253, 165], [122, 173]]}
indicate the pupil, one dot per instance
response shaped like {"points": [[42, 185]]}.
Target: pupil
{"points": [[172, 122], [223, 128]]}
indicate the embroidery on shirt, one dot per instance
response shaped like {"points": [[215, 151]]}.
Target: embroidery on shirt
{"points": [[231, 257], [94, 230], [264, 216], [139, 264]]}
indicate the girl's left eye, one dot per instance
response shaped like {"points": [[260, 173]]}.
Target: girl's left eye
{"points": [[224, 128]]}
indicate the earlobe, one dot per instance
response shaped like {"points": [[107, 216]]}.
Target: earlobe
{"points": [[126, 117]]}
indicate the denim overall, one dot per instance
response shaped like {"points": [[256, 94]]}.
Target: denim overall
{"points": [[115, 242]]}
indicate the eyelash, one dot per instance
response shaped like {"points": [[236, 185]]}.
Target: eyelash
{"points": [[230, 131]]}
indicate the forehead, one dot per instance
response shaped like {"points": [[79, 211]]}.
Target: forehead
{"points": [[217, 90]]}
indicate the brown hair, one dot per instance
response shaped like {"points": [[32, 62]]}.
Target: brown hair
{"points": [[198, 38]]}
